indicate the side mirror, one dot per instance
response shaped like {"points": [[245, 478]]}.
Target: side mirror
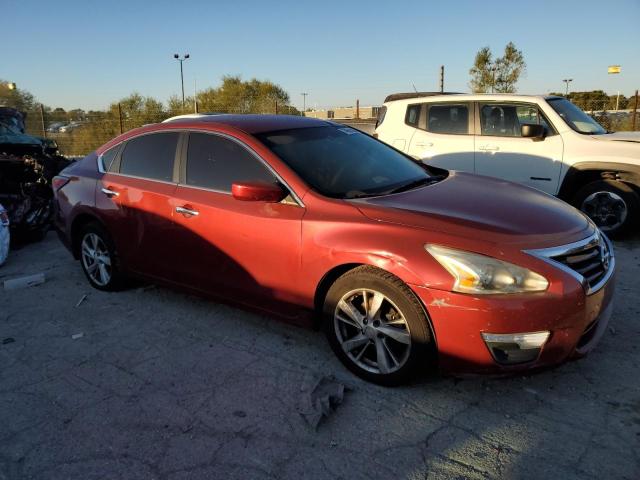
{"points": [[533, 131], [258, 192]]}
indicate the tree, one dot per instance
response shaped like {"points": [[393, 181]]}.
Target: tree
{"points": [[500, 75], [238, 96], [16, 98]]}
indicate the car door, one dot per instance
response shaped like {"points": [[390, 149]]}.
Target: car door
{"points": [[502, 152], [245, 250], [443, 135], [134, 196]]}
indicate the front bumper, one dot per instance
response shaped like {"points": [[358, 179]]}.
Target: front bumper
{"points": [[576, 321]]}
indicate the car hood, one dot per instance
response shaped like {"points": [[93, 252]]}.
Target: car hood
{"points": [[482, 208], [620, 137]]}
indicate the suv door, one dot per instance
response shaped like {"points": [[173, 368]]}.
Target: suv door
{"points": [[442, 135], [502, 152], [225, 246], [134, 197]]}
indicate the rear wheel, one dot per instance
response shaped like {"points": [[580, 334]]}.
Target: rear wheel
{"points": [[612, 205], [377, 327], [98, 258]]}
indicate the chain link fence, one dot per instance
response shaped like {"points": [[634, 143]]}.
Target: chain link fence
{"points": [[77, 132]]}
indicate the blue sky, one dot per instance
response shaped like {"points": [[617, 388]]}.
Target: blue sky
{"points": [[87, 54]]}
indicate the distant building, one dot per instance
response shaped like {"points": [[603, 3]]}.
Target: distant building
{"points": [[344, 113]]}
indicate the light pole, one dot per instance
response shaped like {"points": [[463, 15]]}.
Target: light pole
{"points": [[184, 57], [567, 81], [304, 102]]}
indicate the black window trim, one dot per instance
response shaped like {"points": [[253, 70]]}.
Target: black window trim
{"points": [[424, 116], [182, 167], [481, 103]]}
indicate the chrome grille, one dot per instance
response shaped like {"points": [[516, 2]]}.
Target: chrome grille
{"points": [[590, 261]]}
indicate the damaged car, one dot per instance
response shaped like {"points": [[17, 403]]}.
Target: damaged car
{"points": [[27, 166]]}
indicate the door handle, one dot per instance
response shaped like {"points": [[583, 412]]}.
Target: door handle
{"points": [[489, 148], [424, 144], [109, 193], [187, 212]]}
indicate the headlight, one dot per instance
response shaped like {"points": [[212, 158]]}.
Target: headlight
{"points": [[480, 274]]}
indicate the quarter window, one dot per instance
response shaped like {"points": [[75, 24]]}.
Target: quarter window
{"points": [[413, 115], [108, 157], [150, 156], [215, 162], [448, 119]]}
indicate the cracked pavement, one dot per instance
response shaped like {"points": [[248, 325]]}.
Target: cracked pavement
{"points": [[163, 385]]}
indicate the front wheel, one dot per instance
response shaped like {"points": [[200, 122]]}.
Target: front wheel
{"points": [[612, 205], [377, 327]]}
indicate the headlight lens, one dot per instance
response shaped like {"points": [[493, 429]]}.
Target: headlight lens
{"points": [[479, 274]]}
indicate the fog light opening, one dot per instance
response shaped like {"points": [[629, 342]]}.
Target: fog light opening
{"points": [[515, 348]]}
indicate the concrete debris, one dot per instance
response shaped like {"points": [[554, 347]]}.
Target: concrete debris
{"points": [[320, 397], [24, 282], [76, 336]]}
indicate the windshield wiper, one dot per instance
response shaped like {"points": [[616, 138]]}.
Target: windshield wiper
{"points": [[414, 184]]}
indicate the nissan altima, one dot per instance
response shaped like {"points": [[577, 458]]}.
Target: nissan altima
{"points": [[405, 267]]}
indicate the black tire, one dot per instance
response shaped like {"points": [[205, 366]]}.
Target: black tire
{"points": [[420, 355], [612, 205], [116, 280]]}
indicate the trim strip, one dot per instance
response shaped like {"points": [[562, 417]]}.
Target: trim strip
{"points": [[597, 239]]}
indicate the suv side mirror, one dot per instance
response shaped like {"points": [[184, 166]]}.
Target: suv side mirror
{"points": [[258, 192], [533, 131]]}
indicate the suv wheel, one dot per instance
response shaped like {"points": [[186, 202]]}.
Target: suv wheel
{"points": [[98, 258], [612, 205], [377, 327]]}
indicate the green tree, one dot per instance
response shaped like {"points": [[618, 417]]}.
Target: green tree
{"points": [[16, 98], [500, 75], [238, 96]]}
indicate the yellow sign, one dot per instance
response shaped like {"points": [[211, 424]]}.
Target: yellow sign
{"points": [[614, 69]]}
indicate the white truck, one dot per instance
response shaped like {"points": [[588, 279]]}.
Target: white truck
{"points": [[545, 142]]}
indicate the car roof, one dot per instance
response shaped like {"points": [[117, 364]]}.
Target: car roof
{"points": [[407, 98], [255, 123]]}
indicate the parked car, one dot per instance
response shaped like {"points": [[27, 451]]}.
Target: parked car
{"points": [[406, 266], [5, 236], [545, 142]]}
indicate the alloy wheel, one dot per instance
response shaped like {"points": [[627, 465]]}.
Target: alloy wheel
{"points": [[607, 209], [372, 331], [96, 259]]}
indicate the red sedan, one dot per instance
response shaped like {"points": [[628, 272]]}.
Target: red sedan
{"points": [[407, 267]]}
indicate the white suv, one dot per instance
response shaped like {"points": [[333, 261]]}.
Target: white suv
{"points": [[545, 142]]}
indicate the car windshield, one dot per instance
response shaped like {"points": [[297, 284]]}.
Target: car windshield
{"points": [[576, 118], [341, 162]]}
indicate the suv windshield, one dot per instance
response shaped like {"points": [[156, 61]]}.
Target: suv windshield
{"points": [[575, 118], [341, 162]]}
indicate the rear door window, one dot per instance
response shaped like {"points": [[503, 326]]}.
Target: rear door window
{"points": [[215, 162], [448, 119], [150, 156]]}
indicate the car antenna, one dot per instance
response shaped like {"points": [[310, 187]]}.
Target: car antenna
{"points": [[414, 87]]}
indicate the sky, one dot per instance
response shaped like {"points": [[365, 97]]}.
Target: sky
{"points": [[87, 54]]}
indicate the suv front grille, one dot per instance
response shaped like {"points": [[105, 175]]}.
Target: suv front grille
{"points": [[590, 261]]}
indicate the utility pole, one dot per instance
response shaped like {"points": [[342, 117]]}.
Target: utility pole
{"points": [[44, 131], [635, 109], [357, 109], [120, 117], [441, 78], [304, 102], [184, 57], [567, 81]]}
